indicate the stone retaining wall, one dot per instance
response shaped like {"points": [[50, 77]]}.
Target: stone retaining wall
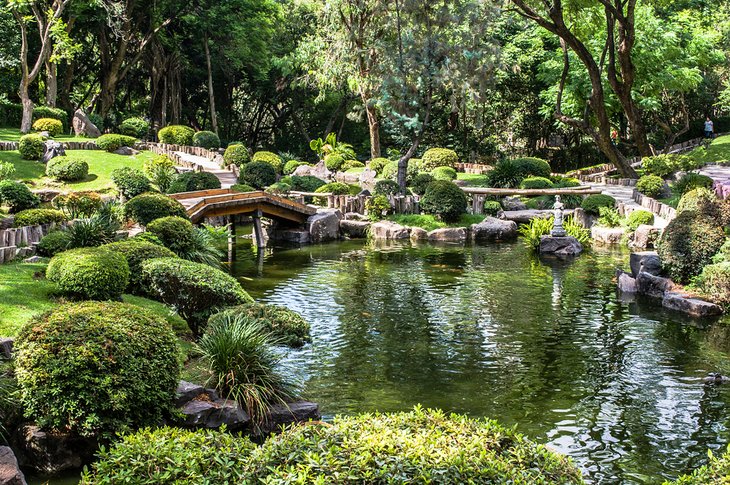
{"points": [[21, 241], [658, 208]]}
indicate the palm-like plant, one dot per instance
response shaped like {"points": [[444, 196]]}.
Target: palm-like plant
{"points": [[330, 146], [205, 245]]}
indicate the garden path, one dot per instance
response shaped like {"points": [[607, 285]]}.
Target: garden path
{"points": [[226, 177]]}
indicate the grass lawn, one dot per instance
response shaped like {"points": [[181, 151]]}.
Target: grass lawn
{"points": [[473, 179], [101, 165], [429, 222], [14, 134], [718, 151]]}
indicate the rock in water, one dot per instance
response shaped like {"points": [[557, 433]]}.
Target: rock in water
{"points": [[493, 229], [354, 229], [83, 126], [646, 261], [560, 246], [324, 225], [10, 473], [448, 234], [389, 230]]}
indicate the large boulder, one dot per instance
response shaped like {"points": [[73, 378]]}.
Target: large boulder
{"points": [[645, 236], [389, 230], [560, 246], [513, 204], [187, 391], [647, 261], [626, 283], [419, 234], [448, 234], [52, 453], [367, 179], [10, 473], [285, 414], [205, 413], [53, 149], [354, 229], [83, 126], [324, 226], [493, 229], [6, 347], [607, 235], [691, 306], [651, 285], [126, 151]]}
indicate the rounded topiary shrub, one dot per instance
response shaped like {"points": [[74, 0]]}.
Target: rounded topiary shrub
{"points": [[390, 170], [174, 232], [333, 162], [688, 244], [445, 200], [145, 208], [639, 218], [334, 188], [438, 157], [292, 165], [89, 273], [32, 146], [112, 142], [650, 185], [279, 188], [192, 181], [236, 155], [176, 135], [96, 368], [17, 196], [352, 164], [536, 183], [194, 290], [420, 182], [271, 158], [532, 166], [304, 183], [135, 252], [134, 127], [659, 165], [67, 169], [53, 243], [691, 181], [53, 126], [242, 188], [386, 187], [443, 173], [78, 204], [35, 217], [206, 139], [492, 207], [592, 203], [377, 164], [287, 327], [700, 200], [257, 174], [130, 182]]}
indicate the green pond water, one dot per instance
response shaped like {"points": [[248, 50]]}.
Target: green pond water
{"points": [[543, 345]]}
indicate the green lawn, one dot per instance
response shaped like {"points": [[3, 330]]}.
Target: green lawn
{"points": [[14, 134], [429, 222], [101, 164], [473, 179], [718, 151]]}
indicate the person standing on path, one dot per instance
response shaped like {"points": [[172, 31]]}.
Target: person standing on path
{"points": [[709, 127]]}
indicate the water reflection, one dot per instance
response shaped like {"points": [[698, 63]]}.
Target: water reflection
{"points": [[492, 331]]}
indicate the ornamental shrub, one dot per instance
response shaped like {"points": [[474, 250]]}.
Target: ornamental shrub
{"points": [[78, 204], [271, 158], [94, 231], [67, 169], [377, 207], [134, 127], [350, 164], [639, 218], [17, 196], [532, 166], [377, 164], [608, 217], [420, 183], [53, 126], [306, 183], [445, 200], [386, 187], [593, 202], [112, 142], [691, 181], [287, 327], [536, 183], [706, 204], [292, 165], [175, 233], [278, 188], [32, 146], [236, 155], [35, 217], [333, 162], [53, 243], [438, 157], [714, 283], [145, 208], [130, 182], [492, 208], [135, 252], [192, 181], [659, 165], [335, 188], [688, 244], [444, 173], [97, 368], [242, 188], [161, 172], [48, 112], [650, 185], [89, 273], [176, 135], [194, 290], [505, 174], [7, 170], [257, 174], [206, 139], [390, 170]]}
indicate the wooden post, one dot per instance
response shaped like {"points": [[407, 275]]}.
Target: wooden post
{"points": [[258, 231], [231, 239]]}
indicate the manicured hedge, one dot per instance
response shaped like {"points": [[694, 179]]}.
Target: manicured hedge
{"points": [[191, 181], [11, 114], [638, 218], [174, 232], [592, 203], [112, 142], [134, 127], [377, 164], [271, 158], [438, 157], [96, 368], [135, 252], [292, 165], [444, 173], [89, 273], [257, 174], [67, 169], [236, 155], [32, 146], [53, 126], [650, 185], [286, 326], [53, 243], [147, 207], [206, 139], [35, 217], [420, 182], [386, 187], [176, 135], [130, 182], [444, 199]]}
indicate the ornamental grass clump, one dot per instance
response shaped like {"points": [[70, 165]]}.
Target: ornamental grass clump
{"points": [[538, 227]]}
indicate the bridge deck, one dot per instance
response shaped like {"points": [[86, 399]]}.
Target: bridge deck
{"points": [[222, 202]]}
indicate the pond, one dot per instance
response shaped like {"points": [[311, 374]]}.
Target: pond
{"points": [[546, 346]]}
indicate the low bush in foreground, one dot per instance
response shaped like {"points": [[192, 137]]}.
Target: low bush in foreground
{"points": [[691, 181], [96, 368], [145, 208], [89, 273], [377, 164], [136, 252], [445, 200], [536, 183], [420, 446], [287, 327], [67, 169], [705, 203], [714, 283], [35, 217], [386, 187], [32, 146], [304, 183], [174, 232], [53, 243]]}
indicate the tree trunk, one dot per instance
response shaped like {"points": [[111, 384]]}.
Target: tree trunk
{"points": [[51, 83], [27, 123], [373, 125], [211, 94]]}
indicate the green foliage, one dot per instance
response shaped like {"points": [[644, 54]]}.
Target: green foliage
{"points": [[97, 369], [194, 290], [377, 164], [292, 165], [112, 142], [134, 127], [285, 326], [205, 245], [492, 207], [176, 135], [78, 204], [350, 164], [592, 203], [659, 165], [638, 218], [49, 112], [444, 199], [377, 207], [171, 455], [32, 146], [257, 174], [538, 227], [54, 243], [650, 185], [390, 170], [330, 146], [608, 217], [206, 139], [714, 473], [244, 364], [333, 162], [532, 166], [7, 170], [271, 158], [438, 157], [236, 155], [536, 183], [67, 169], [17, 196], [688, 244], [130, 182], [135, 252], [175, 233], [506, 174], [192, 181], [691, 181], [278, 188], [306, 183], [386, 187], [53, 126], [89, 273], [443, 173], [35, 217], [145, 208], [420, 182], [94, 231], [161, 172], [242, 188], [714, 283]]}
